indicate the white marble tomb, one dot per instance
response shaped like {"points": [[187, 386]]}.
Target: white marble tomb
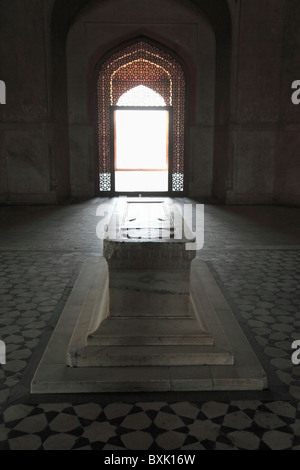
{"points": [[147, 316], [152, 316]]}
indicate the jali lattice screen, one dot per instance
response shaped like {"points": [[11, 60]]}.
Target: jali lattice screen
{"points": [[141, 63]]}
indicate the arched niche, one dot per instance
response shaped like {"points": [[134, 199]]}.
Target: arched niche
{"points": [[202, 40]]}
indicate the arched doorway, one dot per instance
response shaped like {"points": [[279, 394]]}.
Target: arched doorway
{"points": [[141, 117]]}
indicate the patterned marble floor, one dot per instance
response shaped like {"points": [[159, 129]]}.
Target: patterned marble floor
{"points": [[254, 254]]}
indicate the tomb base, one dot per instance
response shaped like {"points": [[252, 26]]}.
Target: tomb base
{"points": [[155, 319], [53, 375]]}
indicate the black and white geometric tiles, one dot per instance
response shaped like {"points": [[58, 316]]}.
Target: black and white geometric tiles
{"points": [[251, 425], [254, 255]]}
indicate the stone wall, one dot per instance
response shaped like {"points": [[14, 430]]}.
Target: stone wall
{"points": [[242, 128], [265, 164]]}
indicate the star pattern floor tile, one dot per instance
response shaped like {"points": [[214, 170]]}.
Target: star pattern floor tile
{"points": [[254, 254]]}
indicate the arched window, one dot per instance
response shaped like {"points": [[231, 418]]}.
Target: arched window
{"points": [[141, 75]]}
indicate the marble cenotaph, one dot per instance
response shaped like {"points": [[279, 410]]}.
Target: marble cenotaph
{"points": [[147, 315]]}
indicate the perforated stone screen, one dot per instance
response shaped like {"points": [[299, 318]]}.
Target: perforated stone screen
{"points": [[141, 63]]}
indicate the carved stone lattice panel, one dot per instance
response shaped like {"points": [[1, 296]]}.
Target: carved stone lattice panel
{"points": [[141, 63]]}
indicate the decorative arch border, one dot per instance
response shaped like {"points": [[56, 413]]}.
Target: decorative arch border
{"points": [[141, 62]]}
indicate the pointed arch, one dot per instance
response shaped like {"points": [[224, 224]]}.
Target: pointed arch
{"points": [[141, 95], [141, 63]]}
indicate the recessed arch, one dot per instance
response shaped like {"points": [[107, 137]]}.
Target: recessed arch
{"points": [[68, 20]]}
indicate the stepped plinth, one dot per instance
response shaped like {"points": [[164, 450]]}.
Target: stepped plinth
{"points": [[148, 315]]}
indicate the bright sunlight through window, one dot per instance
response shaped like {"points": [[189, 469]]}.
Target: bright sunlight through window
{"points": [[141, 96], [141, 142]]}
